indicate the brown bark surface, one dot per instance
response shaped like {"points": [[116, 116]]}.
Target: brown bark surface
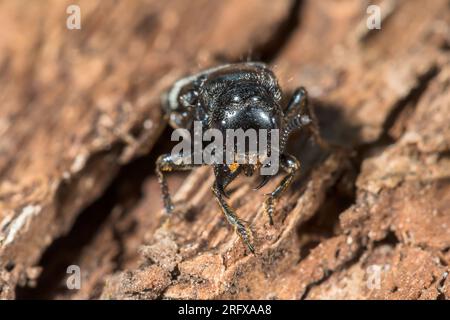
{"points": [[80, 128]]}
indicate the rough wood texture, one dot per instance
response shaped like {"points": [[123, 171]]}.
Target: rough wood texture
{"points": [[76, 105], [80, 114]]}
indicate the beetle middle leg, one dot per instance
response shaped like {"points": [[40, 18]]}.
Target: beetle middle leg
{"points": [[299, 114], [224, 176], [166, 163], [291, 165]]}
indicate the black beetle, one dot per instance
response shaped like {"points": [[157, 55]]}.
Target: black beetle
{"points": [[251, 91]]}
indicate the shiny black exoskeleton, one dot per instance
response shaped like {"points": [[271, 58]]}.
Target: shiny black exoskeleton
{"points": [[233, 96]]}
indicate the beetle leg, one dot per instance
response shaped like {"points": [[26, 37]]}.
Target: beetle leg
{"points": [[166, 163], [313, 127], [291, 165], [224, 176], [263, 182], [239, 225], [299, 113], [299, 99]]}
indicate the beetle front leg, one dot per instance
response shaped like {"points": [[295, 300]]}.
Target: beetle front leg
{"points": [[291, 165], [239, 225], [166, 163], [224, 176]]}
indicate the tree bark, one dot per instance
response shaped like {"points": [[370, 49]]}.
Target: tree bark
{"points": [[80, 126]]}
